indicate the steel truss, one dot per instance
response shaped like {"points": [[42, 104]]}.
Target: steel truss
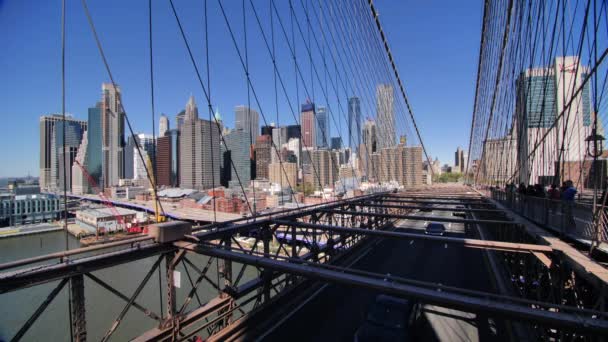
{"points": [[307, 244]]}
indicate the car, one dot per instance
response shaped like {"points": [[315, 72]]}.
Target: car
{"points": [[426, 207], [435, 228], [389, 319]]}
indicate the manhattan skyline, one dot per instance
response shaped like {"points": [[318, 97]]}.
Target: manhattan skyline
{"points": [[176, 81]]}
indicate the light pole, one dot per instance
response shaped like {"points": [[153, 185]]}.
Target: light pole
{"points": [[594, 149]]}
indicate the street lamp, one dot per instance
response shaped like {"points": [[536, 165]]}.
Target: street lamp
{"points": [[595, 144], [594, 149]]}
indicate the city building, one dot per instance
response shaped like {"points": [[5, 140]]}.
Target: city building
{"points": [[354, 123], [308, 125], [247, 119], [239, 147], [499, 161], [147, 151], [26, 209], [179, 119], [385, 116], [113, 131], [199, 151], [293, 132], [48, 151], [285, 174], [336, 143], [368, 147], [65, 152], [542, 95], [104, 220], [326, 168], [163, 161], [267, 130], [263, 145], [163, 125], [322, 130], [459, 160], [279, 137]]}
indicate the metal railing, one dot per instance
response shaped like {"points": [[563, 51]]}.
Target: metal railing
{"points": [[571, 219]]}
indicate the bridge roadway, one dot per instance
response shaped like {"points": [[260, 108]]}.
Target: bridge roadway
{"points": [[337, 311]]}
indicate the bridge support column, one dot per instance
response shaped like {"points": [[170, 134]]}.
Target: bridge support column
{"points": [[79, 323], [226, 269]]}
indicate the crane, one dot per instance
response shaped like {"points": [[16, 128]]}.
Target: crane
{"points": [[102, 196]]}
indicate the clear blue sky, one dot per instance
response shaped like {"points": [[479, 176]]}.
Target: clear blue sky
{"points": [[435, 44]]}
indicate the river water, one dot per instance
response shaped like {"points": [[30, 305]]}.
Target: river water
{"points": [[102, 307]]}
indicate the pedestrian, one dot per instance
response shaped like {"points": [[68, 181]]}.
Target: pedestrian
{"points": [[554, 196], [568, 196]]}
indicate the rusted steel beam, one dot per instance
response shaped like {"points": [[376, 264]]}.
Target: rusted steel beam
{"points": [[395, 206], [575, 319], [419, 218], [474, 243]]}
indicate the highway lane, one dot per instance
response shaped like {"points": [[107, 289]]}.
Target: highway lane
{"points": [[336, 313]]}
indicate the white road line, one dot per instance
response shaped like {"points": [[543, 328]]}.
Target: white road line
{"points": [[411, 242], [445, 246]]}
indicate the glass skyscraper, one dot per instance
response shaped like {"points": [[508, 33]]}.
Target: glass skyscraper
{"points": [[322, 129], [94, 156], [354, 123]]}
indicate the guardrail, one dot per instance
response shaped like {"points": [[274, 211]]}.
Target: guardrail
{"points": [[568, 218]]}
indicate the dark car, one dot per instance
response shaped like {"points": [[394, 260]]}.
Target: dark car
{"points": [[435, 228], [426, 207], [389, 319]]}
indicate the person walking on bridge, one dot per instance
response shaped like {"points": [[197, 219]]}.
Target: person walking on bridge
{"points": [[568, 196]]}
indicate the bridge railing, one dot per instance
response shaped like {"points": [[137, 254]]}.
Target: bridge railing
{"points": [[570, 219]]}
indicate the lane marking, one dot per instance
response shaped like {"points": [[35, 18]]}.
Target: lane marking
{"points": [[445, 246], [411, 242]]}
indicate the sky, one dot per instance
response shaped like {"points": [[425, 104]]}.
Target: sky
{"points": [[435, 45]]}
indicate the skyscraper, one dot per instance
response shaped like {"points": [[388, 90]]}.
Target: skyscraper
{"points": [[279, 137], [369, 146], [542, 94], [385, 116], [163, 161], [163, 125], [354, 123], [199, 151], [147, 150], [65, 152], [263, 146], [48, 152], [459, 160], [336, 143], [326, 167], [322, 128], [237, 143], [113, 131], [308, 125], [179, 119], [247, 119]]}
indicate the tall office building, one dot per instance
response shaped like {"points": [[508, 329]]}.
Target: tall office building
{"points": [[336, 143], [163, 125], [163, 161], [542, 95], [279, 137], [326, 167], [65, 154], [262, 156], [459, 160], [237, 143], [80, 182], [199, 151], [368, 147], [308, 125], [48, 148], [385, 115], [322, 129], [179, 119], [148, 150], [285, 174], [89, 154], [267, 130], [247, 119], [113, 131], [293, 131], [354, 123]]}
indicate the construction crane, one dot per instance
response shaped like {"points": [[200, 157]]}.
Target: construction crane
{"points": [[102, 196]]}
